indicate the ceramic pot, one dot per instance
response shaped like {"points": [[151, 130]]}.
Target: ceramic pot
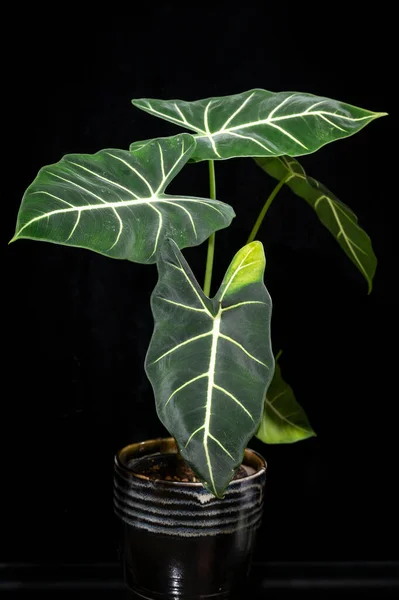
{"points": [[177, 541]]}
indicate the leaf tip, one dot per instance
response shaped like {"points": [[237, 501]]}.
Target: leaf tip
{"points": [[369, 280], [219, 495]]}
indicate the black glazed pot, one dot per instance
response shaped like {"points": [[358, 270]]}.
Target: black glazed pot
{"points": [[177, 540]]}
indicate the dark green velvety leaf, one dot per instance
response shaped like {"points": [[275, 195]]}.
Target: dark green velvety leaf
{"points": [[334, 214], [260, 123], [113, 202], [283, 421], [210, 360]]}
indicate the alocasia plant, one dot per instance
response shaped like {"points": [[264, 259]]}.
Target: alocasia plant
{"points": [[210, 361]]}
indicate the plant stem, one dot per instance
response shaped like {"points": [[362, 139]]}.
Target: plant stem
{"points": [[211, 240], [266, 207]]}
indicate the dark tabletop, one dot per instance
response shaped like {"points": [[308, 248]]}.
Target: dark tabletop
{"points": [[268, 580]]}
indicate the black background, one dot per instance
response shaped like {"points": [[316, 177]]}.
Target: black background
{"points": [[78, 324]]}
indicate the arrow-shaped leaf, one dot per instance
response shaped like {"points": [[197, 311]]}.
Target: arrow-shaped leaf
{"points": [[113, 202], [334, 214], [260, 123], [283, 421], [210, 360]]}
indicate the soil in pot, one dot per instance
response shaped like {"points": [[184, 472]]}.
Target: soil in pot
{"points": [[171, 467]]}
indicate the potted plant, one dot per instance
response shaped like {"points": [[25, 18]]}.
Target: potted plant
{"points": [[189, 505]]}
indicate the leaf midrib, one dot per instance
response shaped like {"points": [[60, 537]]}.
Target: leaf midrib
{"points": [[348, 239], [282, 417], [211, 381], [267, 121], [113, 206]]}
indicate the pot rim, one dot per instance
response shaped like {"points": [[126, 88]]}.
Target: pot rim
{"points": [[123, 455]]}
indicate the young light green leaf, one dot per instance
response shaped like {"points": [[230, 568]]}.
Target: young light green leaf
{"points": [[210, 360], [113, 202], [283, 421], [334, 214], [260, 123]]}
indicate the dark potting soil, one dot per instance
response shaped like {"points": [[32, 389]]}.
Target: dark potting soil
{"points": [[171, 467]]}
